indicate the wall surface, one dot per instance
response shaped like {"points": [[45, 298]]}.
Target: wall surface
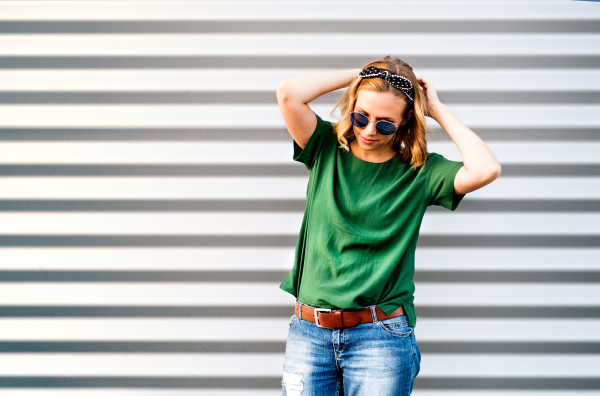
{"points": [[149, 204]]}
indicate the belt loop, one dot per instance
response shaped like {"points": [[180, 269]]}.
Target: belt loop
{"points": [[373, 313], [299, 309]]}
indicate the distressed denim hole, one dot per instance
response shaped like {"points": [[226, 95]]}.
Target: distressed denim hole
{"points": [[292, 383]]}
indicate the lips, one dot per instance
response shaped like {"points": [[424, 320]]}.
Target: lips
{"points": [[366, 141]]}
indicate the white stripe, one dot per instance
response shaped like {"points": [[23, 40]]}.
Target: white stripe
{"points": [[510, 224], [238, 152], [273, 223], [295, 44], [270, 392], [158, 392], [519, 152], [142, 364], [503, 365], [179, 223], [149, 258], [507, 330], [544, 188], [271, 364], [265, 152], [143, 329], [164, 294], [480, 294], [282, 259], [468, 392], [507, 259], [269, 116], [157, 187], [206, 79], [266, 80], [508, 294], [296, 10], [276, 330]]}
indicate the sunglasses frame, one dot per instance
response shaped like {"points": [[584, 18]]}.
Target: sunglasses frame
{"points": [[376, 122]]}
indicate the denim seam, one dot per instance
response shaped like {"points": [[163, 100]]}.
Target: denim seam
{"points": [[335, 352], [394, 333], [294, 322], [412, 343], [337, 388], [344, 332]]}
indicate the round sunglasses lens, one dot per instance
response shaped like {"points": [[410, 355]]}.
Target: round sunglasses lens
{"points": [[359, 120], [385, 128]]}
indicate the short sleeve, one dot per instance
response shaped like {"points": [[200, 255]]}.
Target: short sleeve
{"points": [[440, 179], [311, 151]]}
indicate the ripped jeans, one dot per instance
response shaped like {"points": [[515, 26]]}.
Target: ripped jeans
{"points": [[370, 359]]}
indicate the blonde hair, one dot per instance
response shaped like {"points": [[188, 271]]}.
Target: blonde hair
{"points": [[410, 140]]}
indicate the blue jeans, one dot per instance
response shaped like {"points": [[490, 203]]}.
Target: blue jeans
{"points": [[370, 359]]}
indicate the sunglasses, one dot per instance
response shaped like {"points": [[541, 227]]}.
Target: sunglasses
{"points": [[361, 121]]}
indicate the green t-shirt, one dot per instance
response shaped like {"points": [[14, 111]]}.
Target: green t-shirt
{"points": [[361, 223]]}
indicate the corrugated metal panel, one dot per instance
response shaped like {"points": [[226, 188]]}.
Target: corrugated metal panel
{"points": [[149, 206]]}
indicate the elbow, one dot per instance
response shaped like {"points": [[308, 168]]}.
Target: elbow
{"points": [[494, 172], [283, 91]]}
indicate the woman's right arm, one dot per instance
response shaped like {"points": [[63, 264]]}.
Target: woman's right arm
{"points": [[294, 94]]}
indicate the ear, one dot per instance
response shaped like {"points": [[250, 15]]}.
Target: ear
{"points": [[410, 114]]}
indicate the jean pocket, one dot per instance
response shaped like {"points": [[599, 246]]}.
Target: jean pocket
{"points": [[397, 326], [293, 320]]}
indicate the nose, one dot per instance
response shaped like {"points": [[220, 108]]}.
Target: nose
{"points": [[370, 128]]}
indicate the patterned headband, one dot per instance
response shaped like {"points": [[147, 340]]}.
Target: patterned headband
{"points": [[402, 83]]}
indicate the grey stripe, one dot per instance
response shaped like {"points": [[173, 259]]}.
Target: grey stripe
{"points": [[298, 205], [518, 206], [141, 347], [284, 312], [199, 97], [278, 276], [394, 26], [142, 276], [293, 62], [275, 382], [293, 169], [165, 134], [279, 347], [551, 170], [509, 347], [175, 205], [508, 241], [280, 134], [506, 276], [482, 383], [148, 241], [289, 240], [142, 382]]}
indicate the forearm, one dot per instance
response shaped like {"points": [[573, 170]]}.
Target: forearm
{"points": [[476, 155], [305, 88]]}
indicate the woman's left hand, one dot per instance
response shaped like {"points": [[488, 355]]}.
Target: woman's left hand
{"points": [[430, 95]]}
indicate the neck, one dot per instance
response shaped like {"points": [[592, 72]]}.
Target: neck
{"points": [[382, 154]]}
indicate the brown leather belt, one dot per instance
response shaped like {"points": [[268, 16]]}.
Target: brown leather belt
{"points": [[341, 318]]}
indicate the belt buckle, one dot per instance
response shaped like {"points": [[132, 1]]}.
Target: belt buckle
{"points": [[316, 312]]}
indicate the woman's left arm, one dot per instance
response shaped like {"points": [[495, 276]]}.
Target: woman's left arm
{"points": [[480, 165]]}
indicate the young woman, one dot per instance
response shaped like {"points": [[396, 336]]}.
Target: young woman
{"points": [[370, 182]]}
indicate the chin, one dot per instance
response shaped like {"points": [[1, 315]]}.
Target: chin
{"points": [[367, 147]]}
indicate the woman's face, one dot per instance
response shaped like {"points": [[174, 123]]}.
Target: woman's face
{"points": [[378, 106]]}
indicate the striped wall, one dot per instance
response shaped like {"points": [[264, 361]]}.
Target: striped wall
{"points": [[149, 205]]}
